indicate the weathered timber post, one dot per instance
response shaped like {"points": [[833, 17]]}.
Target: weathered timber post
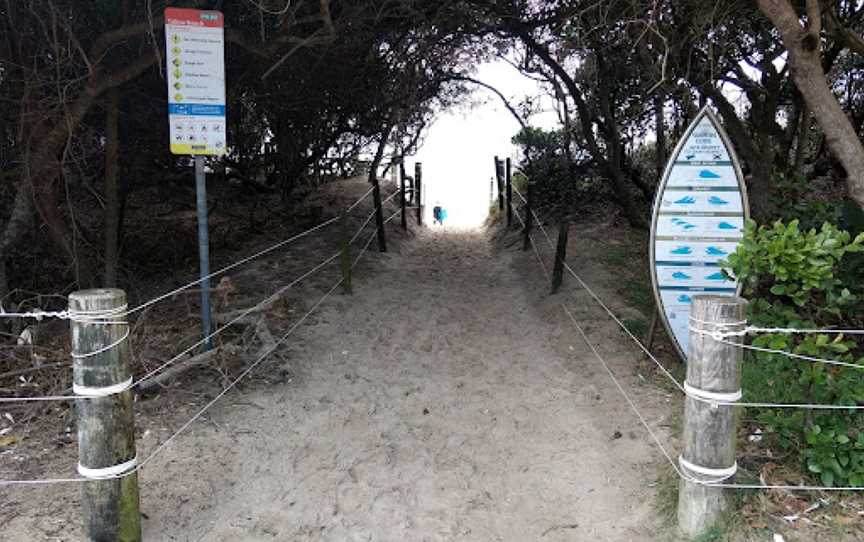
{"points": [[652, 329], [526, 229], [402, 202], [345, 254], [560, 255], [106, 431], [379, 213], [713, 373], [499, 176], [418, 187], [509, 180]]}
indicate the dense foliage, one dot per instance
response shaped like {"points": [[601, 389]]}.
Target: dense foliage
{"points": [[794, 279]]}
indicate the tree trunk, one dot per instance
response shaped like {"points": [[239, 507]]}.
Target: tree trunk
{"points": [[805, 61], [112, 211], [16, 227], [376, 192], [660, 127]]}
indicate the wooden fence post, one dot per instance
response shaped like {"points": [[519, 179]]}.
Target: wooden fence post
{"points": [[499, 176], [526, 230], [560, 255], [508, 178], [418, 186], [713, 372], [106, 431], [402, 201], [345, 254]]}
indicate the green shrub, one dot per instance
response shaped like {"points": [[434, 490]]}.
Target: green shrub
{"points": [[792, 279]]}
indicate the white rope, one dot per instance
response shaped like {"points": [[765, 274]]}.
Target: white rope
{"points": [[233, 265], [365, 248], [720, 474], [206, 407], [252, 257], [741, 324], [608, 369], [369, 218], [88, 392], [41, 398], [363, 226], [36, 314], [100, 317], [713, 397], [623, 393], [108, 317], [518, 193], [394, 215], [755, 329], [124, 472], [107, 473], [792, 355], [236, 319], [102, 350], [359, 201], [654, 437], [253, 365], [242, 375], [600, 302], [623, 327]]}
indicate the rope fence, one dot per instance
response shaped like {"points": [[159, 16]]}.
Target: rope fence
{"points": [[118, 317], [737, 330]]}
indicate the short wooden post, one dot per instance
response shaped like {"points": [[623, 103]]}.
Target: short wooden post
{"points": [[106, 432], [713, 373], [345, 254], [508, 178], [526, 229], [652, 329], [560, 255], [418, 187], [499, 176], [402, 202]]}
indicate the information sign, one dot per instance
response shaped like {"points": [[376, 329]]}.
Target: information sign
{"points": [[195, 61], [698, 220]]}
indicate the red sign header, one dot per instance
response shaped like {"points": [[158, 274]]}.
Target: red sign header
{"points": [[194, 17]]}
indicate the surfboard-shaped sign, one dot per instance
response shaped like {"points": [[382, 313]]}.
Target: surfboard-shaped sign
{"points": [[698, 220]]}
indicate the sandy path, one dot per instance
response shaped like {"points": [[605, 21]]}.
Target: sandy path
{"points": [[446, 404]]}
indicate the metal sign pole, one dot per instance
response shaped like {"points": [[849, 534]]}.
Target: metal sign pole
{"points": [[195, 77], [203, 247]]}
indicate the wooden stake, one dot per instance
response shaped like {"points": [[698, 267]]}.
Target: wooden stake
{"points": [[106, 431], [402, 201], [345, 254], [509, 180], [418, 186], [499, 176], [526, 230], [709, 429], [652, 328], [560, 255]]}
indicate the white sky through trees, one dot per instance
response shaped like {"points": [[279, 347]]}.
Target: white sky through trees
{"points": [[457, 154]]}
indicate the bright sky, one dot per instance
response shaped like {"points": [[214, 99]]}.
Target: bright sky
{"points": [[458, 153]]}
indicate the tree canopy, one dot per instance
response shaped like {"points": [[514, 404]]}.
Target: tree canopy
{"points": [[315, 83]]}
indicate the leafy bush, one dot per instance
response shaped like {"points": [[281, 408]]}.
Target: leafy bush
{"points": [[559, 182], [792, 279]]}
